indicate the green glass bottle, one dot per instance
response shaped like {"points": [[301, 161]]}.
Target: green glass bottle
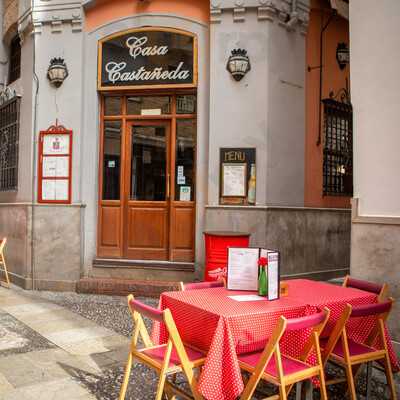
{"points": [[263, 282]]}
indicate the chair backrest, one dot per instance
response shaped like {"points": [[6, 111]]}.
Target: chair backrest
{"points": [[379, 310], [2, 244], [367, 286], [201, 285], [315, 322], [139, 309]]}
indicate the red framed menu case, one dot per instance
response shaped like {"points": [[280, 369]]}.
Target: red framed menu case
{"points": [[55, 165]]}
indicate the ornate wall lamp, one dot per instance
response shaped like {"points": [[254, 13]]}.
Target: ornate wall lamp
{"points": [[238, 64], [342, 55], [57, 71]]}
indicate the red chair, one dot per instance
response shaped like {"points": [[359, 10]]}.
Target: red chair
{"points": [[167, 359], [380, 290], [282, 370], [201, 285], [349, 354]]}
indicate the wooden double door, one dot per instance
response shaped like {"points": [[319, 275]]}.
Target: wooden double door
{"points": [[155, 216]]}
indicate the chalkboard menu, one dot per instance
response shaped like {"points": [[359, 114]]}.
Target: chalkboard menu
{"points": [[147, 57]]}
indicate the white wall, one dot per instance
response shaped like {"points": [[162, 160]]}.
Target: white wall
{"points": [[265, 110], [375, 90]]}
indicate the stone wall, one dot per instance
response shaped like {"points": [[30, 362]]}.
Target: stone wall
{"points": [[54, 257], [314, 243], [10, 18]]}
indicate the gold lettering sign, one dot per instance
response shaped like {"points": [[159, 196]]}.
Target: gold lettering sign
{"points": [[235, 156]]}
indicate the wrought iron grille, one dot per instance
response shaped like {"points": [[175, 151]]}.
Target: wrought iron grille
{"points": [[338, 148], [9, 139]]}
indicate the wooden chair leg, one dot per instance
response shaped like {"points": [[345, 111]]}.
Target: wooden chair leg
{"points": [[350, 382], [160, 386], [3, 262], [324, 394], [124, 386], [389, 377], [282, 392]]}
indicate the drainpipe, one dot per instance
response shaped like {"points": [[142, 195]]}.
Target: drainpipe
{"points": [[34, 144], [320, 72]]}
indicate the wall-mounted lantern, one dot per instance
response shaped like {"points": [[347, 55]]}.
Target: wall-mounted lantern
{"points": [[57, 71], [342, 55], [238, 64]]}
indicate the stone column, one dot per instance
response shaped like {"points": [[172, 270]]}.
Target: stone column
{"points": [[375, 91]]}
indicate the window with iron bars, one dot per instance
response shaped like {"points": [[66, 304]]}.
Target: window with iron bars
{"points": [[9, 139], [338, 148]]}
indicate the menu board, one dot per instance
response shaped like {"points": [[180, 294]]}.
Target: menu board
{"points": [[243, 270], [238, 176], [55, 148]]}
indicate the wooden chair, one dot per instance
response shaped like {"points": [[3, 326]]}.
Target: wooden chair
{"points": [[3, 265], [380, 290], [167, 359], [350, 354], [201, 285], [280, 369]]}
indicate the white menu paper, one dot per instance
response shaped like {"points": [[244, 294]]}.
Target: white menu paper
{"points": [[55, 167], [243, 268], [234, 180]]}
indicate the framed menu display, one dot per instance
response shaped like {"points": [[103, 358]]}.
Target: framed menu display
{"points": [[238, 176], [243, 269], [55, 166]]}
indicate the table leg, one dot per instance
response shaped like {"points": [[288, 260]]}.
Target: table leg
{"points": [[369, 376], [309, 389], [299, 386]]}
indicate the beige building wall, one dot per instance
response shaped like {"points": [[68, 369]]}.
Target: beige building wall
{"points": [[375, 90]]}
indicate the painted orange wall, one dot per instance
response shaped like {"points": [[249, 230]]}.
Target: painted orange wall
{"points": [[108, 10], [333, 79]]}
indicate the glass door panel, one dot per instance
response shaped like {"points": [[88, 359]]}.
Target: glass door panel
{"points": [[185, 159], [149, 163]]}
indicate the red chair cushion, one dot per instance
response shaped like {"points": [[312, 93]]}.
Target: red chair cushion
{"points": [[290, 366], [355, 348], [158, 354]]}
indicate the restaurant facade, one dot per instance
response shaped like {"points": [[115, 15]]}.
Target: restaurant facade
{"points": [[135, 126]]}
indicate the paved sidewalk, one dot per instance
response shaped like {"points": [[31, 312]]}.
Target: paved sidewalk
{"points": [[58, 346], [46, 350]]}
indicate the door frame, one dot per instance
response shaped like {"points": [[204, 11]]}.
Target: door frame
{"points": [[115, 247]]}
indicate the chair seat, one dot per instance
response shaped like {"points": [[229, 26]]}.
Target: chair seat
{"points": [[158, 354], [355, 348], [290, 365]]}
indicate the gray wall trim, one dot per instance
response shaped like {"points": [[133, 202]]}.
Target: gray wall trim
{"points": [[356, 218], [216, 207], [129, 17], [42, 205]]}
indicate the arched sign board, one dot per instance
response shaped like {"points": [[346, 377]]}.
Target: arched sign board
{"points": [[147, 58]]}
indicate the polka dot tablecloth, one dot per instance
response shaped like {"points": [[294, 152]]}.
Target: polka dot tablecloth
{"points": [[222, 327]]}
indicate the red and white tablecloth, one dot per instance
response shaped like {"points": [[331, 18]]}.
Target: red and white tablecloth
{"points": [[222, 327]]}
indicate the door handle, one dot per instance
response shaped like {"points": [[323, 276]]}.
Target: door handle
{"points": [[168, 185]]}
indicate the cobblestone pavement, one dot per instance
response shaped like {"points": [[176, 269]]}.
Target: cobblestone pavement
{"points": [[72, 346]]}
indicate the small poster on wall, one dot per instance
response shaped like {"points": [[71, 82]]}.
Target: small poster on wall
{"points": [[55, 155]]}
